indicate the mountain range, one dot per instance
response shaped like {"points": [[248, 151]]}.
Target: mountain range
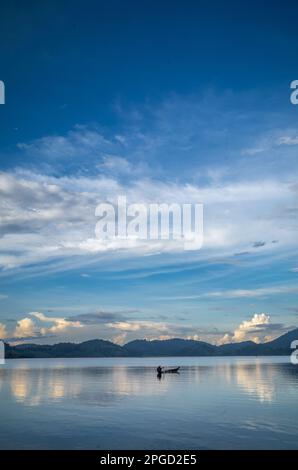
{"points": [[154, 348]]}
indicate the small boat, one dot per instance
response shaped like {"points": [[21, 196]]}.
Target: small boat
{"points": [[170, 371]]}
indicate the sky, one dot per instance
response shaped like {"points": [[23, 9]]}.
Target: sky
{"points": [[163, 102]]}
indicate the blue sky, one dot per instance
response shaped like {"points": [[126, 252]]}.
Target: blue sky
{"points": [[179, 102]]}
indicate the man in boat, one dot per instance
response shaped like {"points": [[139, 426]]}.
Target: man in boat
{"points": [[159, 370]]}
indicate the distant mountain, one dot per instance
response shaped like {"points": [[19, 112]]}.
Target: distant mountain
{"points": [[144, 348], [170, 347], [93, 348], [279, 346], [244, 348]]}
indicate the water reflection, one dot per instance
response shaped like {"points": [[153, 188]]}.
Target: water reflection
{"points": [[103, 385], [258, 381], [97, 385], [211, 403], [107, 384]]}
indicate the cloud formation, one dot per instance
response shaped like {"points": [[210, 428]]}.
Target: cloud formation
{"points": [[224, 152], [58, 324], [3, 331], [119, 327], [26, 328], [242, 293], [258, 329], [101, 317], [47, 218], [81, 141]]}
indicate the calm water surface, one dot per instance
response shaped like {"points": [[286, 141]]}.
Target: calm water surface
{"points": [[214, 403]]}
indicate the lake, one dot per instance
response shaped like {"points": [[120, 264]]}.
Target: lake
{"points": [[119, 403]]}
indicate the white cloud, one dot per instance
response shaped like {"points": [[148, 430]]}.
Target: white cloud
{"points": [[28, 328], [59, 324], [48, 218], [115, 164], [241, 293], [138, 325], [117, 327], [258, 329], [272, 140], [141, 328], [104, 325], [78, 142], [3, 331], [251, 293], [25, 328], [288, 140]]}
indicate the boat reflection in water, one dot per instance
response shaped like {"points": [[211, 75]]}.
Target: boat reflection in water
{"points": [[161, 371]]}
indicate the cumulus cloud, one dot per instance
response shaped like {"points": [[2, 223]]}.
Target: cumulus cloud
{"points": [[258, 329], [25, 328], [128, 330], [3, 331], [115, 326], [139, 325], [81, 327], [39, 326], [151, 330], [58, 324]]}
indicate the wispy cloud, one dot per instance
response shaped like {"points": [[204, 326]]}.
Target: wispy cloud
{"points": [[82, 141], [46, 218], [273, 140], [288, 140], [241, 293], [101, 317]]}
